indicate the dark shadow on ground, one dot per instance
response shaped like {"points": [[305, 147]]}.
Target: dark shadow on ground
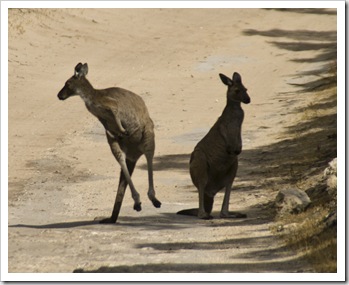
{"points": [[255, 261], [324, 45], [289, 266], [63, 225], [311, 144], [319, 11], [179, 162], [300, 35], [165, 221], [229, 243]]}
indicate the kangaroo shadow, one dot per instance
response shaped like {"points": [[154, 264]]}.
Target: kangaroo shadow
{"points": [[162, 221], [63, 225]]}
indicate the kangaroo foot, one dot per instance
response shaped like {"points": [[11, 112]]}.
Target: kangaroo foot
{"points": [[137, 207], [209, 217], [106, 220], [205, 216], [232, 215], [156, 203]]}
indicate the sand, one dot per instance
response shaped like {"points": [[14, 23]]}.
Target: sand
{"points": [[61, 171]]}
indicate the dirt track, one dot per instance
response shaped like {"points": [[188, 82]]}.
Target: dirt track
{"points": [[62, 174]]}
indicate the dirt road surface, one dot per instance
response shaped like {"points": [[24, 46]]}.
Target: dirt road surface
{"points": [[62, 174]]}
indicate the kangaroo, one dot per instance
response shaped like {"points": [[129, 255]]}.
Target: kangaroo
{"points": [[214, 161], [128, 127]]}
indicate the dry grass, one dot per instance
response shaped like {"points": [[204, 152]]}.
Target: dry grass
{"points": [[309, 232], [309, 235]]}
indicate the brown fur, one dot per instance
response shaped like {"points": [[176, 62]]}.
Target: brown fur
{"points": [[129, 130], [214, 161]]}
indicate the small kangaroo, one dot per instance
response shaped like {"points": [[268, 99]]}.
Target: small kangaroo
{"points": [[214, 161], [129, 131]]}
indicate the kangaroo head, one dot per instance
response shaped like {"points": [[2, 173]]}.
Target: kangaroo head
{"points": [[236, 90], [74, 85]]}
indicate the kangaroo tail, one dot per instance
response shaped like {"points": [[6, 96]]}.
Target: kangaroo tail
{"points": [[189, 212]]}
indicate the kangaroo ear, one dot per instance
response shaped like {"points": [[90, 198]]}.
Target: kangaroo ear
{"points": [[81, 70], [226, 80], [236, 77]]}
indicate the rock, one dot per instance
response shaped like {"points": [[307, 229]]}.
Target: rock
{"points": [[331, 169], [292, 201], [332, 182], [330, 176]]}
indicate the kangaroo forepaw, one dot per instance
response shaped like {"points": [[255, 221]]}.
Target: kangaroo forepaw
{"points": [[156, 203], [137, 207]]}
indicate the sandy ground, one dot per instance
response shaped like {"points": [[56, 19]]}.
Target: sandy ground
{"points": [[62, 174]]}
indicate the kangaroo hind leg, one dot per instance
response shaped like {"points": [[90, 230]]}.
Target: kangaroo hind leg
{"points": [[120, 194], [199, 176], [225, 213], [121, 158], [151, 191]]}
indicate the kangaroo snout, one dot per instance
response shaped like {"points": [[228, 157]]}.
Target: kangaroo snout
{"points": [[62, 95], [246, 100]]}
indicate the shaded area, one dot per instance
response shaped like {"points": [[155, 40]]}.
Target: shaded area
{"points": [[325, 82], [319, 11], [179, 162], [324, 45], [63, 225], [268, 267], [311, 143], [329, 50], [324, 248], [258, 242], [316, 235], [164, 221], [299, 35]]}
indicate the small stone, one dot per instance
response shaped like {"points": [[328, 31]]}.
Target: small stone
{"points": [[292, 200]]}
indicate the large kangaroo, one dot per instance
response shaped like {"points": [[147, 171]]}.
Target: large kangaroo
{"points": [[214, 161], [129, 131]]}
